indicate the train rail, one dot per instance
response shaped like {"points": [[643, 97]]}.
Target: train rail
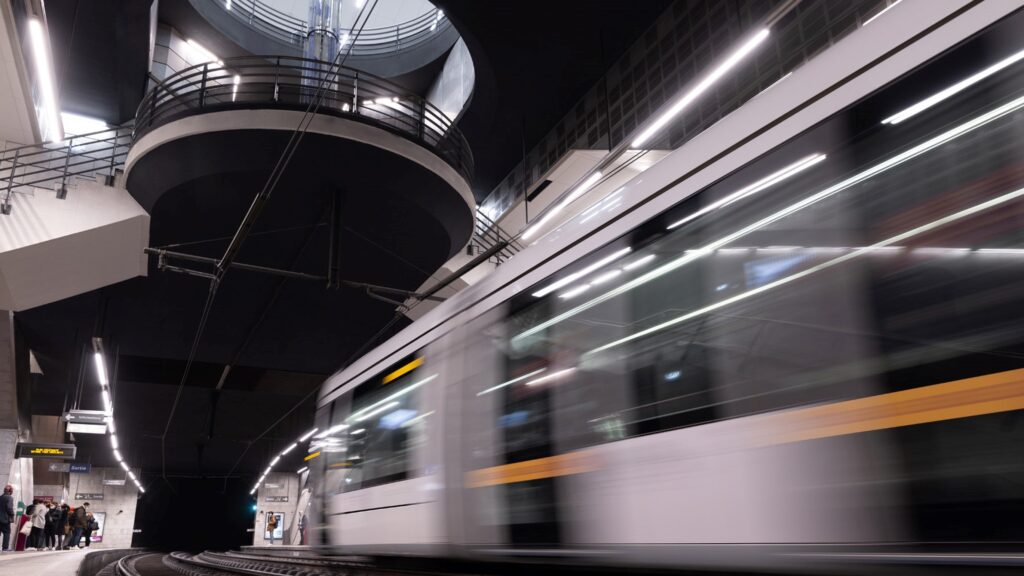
{"points": [[239, 563]]}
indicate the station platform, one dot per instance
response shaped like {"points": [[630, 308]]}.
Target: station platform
{"points": [[51, 563]]}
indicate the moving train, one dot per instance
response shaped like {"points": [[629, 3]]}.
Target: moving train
{"points": [[799, 337]]}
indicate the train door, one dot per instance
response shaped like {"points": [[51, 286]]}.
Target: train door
{"points": [[503, 433]]}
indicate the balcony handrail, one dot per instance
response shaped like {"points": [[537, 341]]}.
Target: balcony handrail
{"points": [[33, 165], [286, 82], [369, 42]]}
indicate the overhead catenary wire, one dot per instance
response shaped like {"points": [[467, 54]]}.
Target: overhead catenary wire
{"points": [[250, 217]]}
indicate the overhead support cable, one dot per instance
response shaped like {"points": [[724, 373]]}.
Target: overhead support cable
{"points": [[255, 209]]}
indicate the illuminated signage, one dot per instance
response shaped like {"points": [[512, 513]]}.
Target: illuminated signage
{"points": [[86, 417], [56, 451], [88, 496], [82, 468], [277, 498]]}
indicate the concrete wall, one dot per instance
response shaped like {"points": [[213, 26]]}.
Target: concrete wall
{"points": [[16, 472], [51, 249], [118, 502], [454, 85], [289, 487], [172, 53]]}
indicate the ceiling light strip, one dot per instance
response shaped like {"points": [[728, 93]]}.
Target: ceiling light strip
{"points": [[762, 184], [953, 90], [721, 70], [512, 381], [45, 79], [577, 275]]}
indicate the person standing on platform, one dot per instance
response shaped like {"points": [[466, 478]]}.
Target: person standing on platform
{"points": [[61, 526], [35, 538], [271, 525], [6, 517], [90, 526], [78, 520], [50, 529]]}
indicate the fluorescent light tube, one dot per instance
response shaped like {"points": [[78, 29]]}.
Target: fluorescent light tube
{"points": [[46, 79], [577, 275], [575, 291], [952, 90], [552, 376], [762, 184], [512, 381], [101, 368], [701, 87]]}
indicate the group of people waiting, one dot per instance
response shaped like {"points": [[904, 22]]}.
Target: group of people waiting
{"points": [[51, 526]]}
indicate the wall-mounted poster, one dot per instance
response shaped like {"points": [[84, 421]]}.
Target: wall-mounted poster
{"points": [[273, 529], [101, 519]]}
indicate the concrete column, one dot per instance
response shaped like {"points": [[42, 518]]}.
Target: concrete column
{"points": [[8, 398], [117, 504], [277, 485]]}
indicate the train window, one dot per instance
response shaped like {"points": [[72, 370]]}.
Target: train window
{"points": [[861, 257], [382, 430]]}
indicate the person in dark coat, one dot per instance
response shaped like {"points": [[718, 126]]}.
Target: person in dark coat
{"points": [[50, 528], [6, 516], [61, 526], [78, 520], [90, 526]]}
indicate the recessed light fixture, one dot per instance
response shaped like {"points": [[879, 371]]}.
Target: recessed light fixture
{"points": [[45, 79]]}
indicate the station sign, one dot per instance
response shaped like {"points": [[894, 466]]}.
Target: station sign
{"points": [[58, 467], [54, 451], [79, 428], [79, 468], [273, 485], [86, 416], [277, 499], [88, 496], [113, 481]]}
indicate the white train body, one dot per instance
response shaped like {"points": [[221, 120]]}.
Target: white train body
{"points": [[757, 391]]}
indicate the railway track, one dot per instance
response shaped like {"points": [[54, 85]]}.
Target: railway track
{"points": [[242, 564], [235, 563]]}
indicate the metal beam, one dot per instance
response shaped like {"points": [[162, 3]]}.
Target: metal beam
{"points": [[170, 255]]}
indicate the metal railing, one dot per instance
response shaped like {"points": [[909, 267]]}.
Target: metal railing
{"points": [[55, 164], [370, 42], [283, 82], [487, 233]]}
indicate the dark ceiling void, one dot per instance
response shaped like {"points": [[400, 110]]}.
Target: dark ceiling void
{"points": [[101, 55], [534, 60], [282, 337]]}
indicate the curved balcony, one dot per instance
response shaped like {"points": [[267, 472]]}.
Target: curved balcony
{"points": [[279, 82], [370, 42]]}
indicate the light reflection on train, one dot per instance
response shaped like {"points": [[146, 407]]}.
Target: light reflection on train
{"points": [[818, 353]]}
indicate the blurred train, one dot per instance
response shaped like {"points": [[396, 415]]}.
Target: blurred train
{"points": [[798, 337]]}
